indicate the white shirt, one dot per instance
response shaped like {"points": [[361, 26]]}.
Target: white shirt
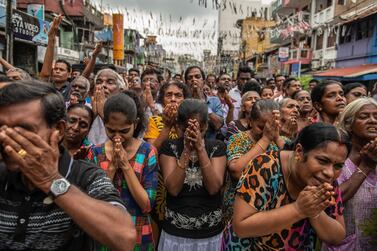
{"points": [[235, 94]]}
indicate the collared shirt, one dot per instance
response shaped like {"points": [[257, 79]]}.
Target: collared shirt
{"points": [[27, 223], [235, 94], [65, 90]]}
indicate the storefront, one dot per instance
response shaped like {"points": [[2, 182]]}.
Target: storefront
{"points": [[29, 32]]}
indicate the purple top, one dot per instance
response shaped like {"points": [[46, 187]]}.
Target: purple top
{"points": [[357, 210]]}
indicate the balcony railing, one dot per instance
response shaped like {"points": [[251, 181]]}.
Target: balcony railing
{"points": [[323, 16]]}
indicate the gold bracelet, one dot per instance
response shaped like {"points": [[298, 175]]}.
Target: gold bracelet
{"points": [[362, 172], [258, 144], [207, 165]]}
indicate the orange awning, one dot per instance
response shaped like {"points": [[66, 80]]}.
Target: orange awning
{"points": [[348, 72]]}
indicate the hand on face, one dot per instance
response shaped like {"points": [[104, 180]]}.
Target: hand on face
{"points": [[169, 114], [369, 153], [193, 135], [40, 164], [99, 100], [272, 128], [314, 199]]}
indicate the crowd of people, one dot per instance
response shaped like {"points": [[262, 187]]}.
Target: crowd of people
{"points": [[137, 161]]}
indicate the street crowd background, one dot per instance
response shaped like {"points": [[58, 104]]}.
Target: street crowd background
{"points": [[102, 158]]}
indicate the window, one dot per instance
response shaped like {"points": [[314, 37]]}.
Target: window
{"points": [[362, 30], [319, 43], [331, 39], [342, 2], [345, 34]]}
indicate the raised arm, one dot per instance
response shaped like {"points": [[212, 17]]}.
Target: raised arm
{"points": [[368, 164], [213, 169], [49, 56], [144, 193], [92, 62], [6, 64], [174, 171]]}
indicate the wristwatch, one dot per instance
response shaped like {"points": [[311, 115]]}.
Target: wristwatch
{"points": [[59, 187]]}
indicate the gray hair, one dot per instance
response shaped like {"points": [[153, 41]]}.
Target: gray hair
{"points": [[246, 95], [283, 102], [23, 74], [347, 117], [83, 79], [263, 106], [119, 80]]}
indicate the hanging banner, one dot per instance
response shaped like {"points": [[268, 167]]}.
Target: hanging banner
{"points": [[118, 37], [36, 10], [29, 28], [283, 54]]}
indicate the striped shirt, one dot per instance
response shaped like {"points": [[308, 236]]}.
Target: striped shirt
{"points": [[27, 223]]}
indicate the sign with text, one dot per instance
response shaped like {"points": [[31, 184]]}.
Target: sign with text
{"points": [[29, 28], [283, 54]]}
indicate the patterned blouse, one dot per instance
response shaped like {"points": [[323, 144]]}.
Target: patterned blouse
{"points": [[262, 186], [145, 166], [358, 210], [238, 145]]}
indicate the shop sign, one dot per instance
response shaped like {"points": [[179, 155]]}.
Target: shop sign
{"points": [[283, 54], [29, 28]]}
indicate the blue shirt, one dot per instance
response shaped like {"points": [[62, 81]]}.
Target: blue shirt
{"points": [[214, 106]]}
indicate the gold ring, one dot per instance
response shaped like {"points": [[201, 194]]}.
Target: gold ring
{"points": [[22, 153]]}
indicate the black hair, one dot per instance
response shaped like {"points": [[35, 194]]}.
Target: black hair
{"points": [[185, 90], [176, 75], [264, 88], [288, 82], [69, 67], [314, 81], [52, 102], [349, 87], [319, 90], [191, 107], [140, 109], [245, 69], [262, 106], [278, 75], [222, 74], [127, 103], [317, 135], [211, 75], [150, 71], [194, 67], [251, 85], [84, 107], [4, 79], [135, 70]]}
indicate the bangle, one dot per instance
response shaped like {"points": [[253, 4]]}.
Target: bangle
{"points": [[362, 172], [258, 144], [206, 165]]}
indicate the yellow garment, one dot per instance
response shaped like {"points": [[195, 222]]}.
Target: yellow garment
{"points": [[155, 126]]}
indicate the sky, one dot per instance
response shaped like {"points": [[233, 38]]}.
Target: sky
{"points": [[167, 18]]}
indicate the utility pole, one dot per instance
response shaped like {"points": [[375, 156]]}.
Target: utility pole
{"points": [[9, 32]]}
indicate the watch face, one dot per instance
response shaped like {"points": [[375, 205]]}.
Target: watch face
{"points": [[60, 187]]}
